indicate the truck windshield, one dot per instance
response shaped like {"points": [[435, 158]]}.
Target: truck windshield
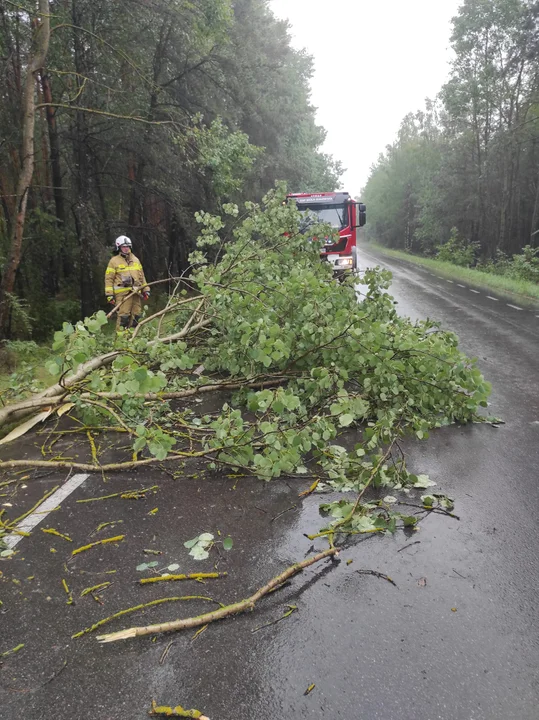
{"points": [[334, 215]]}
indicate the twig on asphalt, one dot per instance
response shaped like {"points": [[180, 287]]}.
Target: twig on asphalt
{"points": [[378, 575], [55, 674], [166, 652], [192, 576], [417, 542], [199, 632], [292, 609], [292, 507], [178, 711]]}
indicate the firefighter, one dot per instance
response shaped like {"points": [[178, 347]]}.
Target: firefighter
{"points": [[125, 284]]}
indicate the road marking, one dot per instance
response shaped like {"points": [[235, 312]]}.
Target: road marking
{"points": [[440, 277], [30, 522], [464, 286], [493, 298], [475, 291], [515, 307], [451, 281]]}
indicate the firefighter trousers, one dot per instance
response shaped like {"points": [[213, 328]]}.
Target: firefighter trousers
{"points": [[129, 310]]}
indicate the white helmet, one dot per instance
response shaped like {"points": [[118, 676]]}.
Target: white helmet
{"points": [[122, 240]]}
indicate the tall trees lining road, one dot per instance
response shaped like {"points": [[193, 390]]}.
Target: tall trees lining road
{"points": [[145, 112], [470, 160]]}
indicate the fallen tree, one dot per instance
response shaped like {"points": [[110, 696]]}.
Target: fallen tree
{"points": [[302, 361]]}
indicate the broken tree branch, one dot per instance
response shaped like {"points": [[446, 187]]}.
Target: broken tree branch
{"points": [[227, 611]]}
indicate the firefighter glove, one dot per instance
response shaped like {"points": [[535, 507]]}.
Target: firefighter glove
{"points": [[146, 295], [111, 300]]}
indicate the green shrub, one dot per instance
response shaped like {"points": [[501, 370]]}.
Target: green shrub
{"points": [[524, 266], [500, 264], [457, 250]]}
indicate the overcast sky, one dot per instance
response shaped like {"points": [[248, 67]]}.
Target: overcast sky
{"points": [[375, 61]]}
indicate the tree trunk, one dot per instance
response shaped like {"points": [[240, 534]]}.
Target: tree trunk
{"points": [[137, 204], [82, 207], [36, 61], [534, 235], [54, 152]]}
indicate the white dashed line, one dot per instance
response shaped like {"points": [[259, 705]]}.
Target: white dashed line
{"points": [[515, 307], [475, 291], [30, 522], [451, 281], [493, 298], [463, 286], [440, 277]]}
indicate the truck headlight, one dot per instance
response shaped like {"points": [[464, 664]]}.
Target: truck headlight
{"points": [[344, 262]]}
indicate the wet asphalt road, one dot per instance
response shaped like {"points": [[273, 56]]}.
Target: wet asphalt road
{"points": [[457, 639]]}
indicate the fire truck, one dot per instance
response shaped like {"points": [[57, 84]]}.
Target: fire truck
{"points": [[345, 215]]}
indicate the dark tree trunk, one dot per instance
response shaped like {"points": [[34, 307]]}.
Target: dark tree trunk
{"points": [[54, 144], [81, 172], [36, 60]]}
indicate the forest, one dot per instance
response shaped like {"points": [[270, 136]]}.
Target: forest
{"points": [[128, 117], [461, 180]]}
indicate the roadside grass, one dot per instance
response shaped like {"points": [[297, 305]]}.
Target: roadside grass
{"points": [[522, 289]]}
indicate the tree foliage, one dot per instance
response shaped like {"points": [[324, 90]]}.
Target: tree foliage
{"points": [[318, 383], [469, 160]]}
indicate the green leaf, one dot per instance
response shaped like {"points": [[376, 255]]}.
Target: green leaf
{"points": [[346, 420], [364, 523], [80, 357], [228, 543], [205, 537], [140, 375], [446, 502], [53, 366], [101, 318], [199, 553], [139, 444], [142, 567], [423, 481]]}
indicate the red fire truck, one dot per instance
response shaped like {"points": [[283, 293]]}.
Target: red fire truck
{"points": [[340, 211]]}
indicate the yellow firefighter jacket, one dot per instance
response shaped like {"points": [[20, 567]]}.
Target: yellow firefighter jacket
{"points": [[124, 273]]}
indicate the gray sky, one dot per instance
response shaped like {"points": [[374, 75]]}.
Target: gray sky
{"points": [[375, 61]]}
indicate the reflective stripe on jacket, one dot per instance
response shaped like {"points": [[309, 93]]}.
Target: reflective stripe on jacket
{"points": [[124, 273]]}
